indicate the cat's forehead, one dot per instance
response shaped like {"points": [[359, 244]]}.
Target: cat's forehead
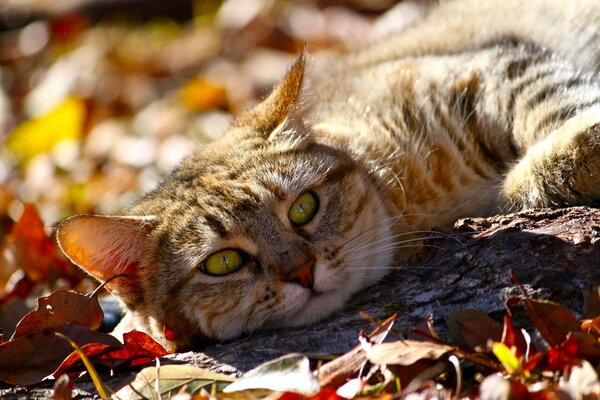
{"points": [[277, 167], [219, 190]]}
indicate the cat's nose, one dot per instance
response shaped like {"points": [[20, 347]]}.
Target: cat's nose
{"points": [[304, 274]]}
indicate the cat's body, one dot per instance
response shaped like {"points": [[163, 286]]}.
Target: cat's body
{"points": [[319, 190]]}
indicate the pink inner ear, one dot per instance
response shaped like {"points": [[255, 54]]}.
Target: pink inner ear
{"points": [[107, 246]]}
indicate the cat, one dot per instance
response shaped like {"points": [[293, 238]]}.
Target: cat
{"points": [[322, 188]]}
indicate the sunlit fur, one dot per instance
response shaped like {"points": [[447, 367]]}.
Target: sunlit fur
{"points": [[484, 106]]}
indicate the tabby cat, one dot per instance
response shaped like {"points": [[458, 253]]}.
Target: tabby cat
{"points": [[318, 191]]}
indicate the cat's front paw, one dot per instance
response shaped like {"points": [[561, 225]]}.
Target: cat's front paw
{"points": [[562, 170]]}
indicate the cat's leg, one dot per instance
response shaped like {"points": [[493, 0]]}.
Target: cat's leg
{"points": [[562, 169]]}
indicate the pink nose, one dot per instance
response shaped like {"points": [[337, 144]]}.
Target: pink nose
{"points": [[304, 275]]}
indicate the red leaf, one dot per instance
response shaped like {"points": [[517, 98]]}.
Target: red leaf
{"points": [[324, 394], [139, 349], [513, 338], [35, 252], [553, 321], [19, 286]]}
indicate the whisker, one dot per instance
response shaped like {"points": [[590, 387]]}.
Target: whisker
{"points": [[403, 241], [385, 249]]}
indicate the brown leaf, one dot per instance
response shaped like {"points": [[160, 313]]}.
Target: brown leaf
{"points": [[473, 328], [31, 357], [553, 321], [591, 302], [60, 308], [406, 352]]}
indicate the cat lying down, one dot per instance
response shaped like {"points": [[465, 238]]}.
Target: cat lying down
{"points": [[321, 189]]}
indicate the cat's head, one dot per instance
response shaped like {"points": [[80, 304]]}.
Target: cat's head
{"points": [[267, 227]]}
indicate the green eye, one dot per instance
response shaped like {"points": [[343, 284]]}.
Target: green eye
{"points": [[304, 209], [223, 262]]}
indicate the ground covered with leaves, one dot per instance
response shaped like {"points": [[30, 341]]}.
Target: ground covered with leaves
{"points": [[100, 99]]}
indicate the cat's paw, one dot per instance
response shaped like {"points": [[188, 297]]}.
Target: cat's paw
{"points": [[562, 170]]}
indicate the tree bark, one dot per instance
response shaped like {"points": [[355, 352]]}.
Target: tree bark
{"points": [[554, 253]]}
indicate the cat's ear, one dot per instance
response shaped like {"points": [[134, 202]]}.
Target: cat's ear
{"points": [[271, 113], [106, 246]]}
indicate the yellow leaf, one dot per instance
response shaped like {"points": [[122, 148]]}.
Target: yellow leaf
{"points": [[39, 135], [199, 95], [509, 361]]}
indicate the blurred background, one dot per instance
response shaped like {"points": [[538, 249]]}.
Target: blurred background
{"points": [[99, 99]]}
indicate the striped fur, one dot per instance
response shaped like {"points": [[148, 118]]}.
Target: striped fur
{"points": [[484, 106]]}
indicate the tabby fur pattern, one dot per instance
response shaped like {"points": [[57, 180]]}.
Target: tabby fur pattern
{"points": [[480, 108]]}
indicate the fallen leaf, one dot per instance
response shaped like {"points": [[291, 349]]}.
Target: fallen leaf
{"points": [[406, 352], [35, 252], [171, 379], [39, 135], [509, 360], [512, 338], [60, 308], [19, 286], [473, 328], [100, 387], [138, 348], [553, 321], [200, 95], [339, 369], [591, 302], [424, 330], [31, 357], [289, 373]]}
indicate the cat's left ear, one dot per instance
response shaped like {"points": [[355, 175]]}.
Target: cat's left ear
{"points": [[105, 246], [271, 114]]}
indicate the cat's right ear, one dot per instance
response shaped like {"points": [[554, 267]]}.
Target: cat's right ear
{"points": [[106, 246], [271, 113]]}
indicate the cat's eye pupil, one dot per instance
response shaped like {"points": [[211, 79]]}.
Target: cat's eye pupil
{"points": [[304, 209], [223, 262]]}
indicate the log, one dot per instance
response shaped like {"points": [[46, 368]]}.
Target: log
{"points": [[554, 252]]}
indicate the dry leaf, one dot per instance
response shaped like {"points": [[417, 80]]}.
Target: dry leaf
{"points": [[289, 373], [31, 357], [171, 379], [473, 328], [406, 352], [347, 364], [60, 308]]}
